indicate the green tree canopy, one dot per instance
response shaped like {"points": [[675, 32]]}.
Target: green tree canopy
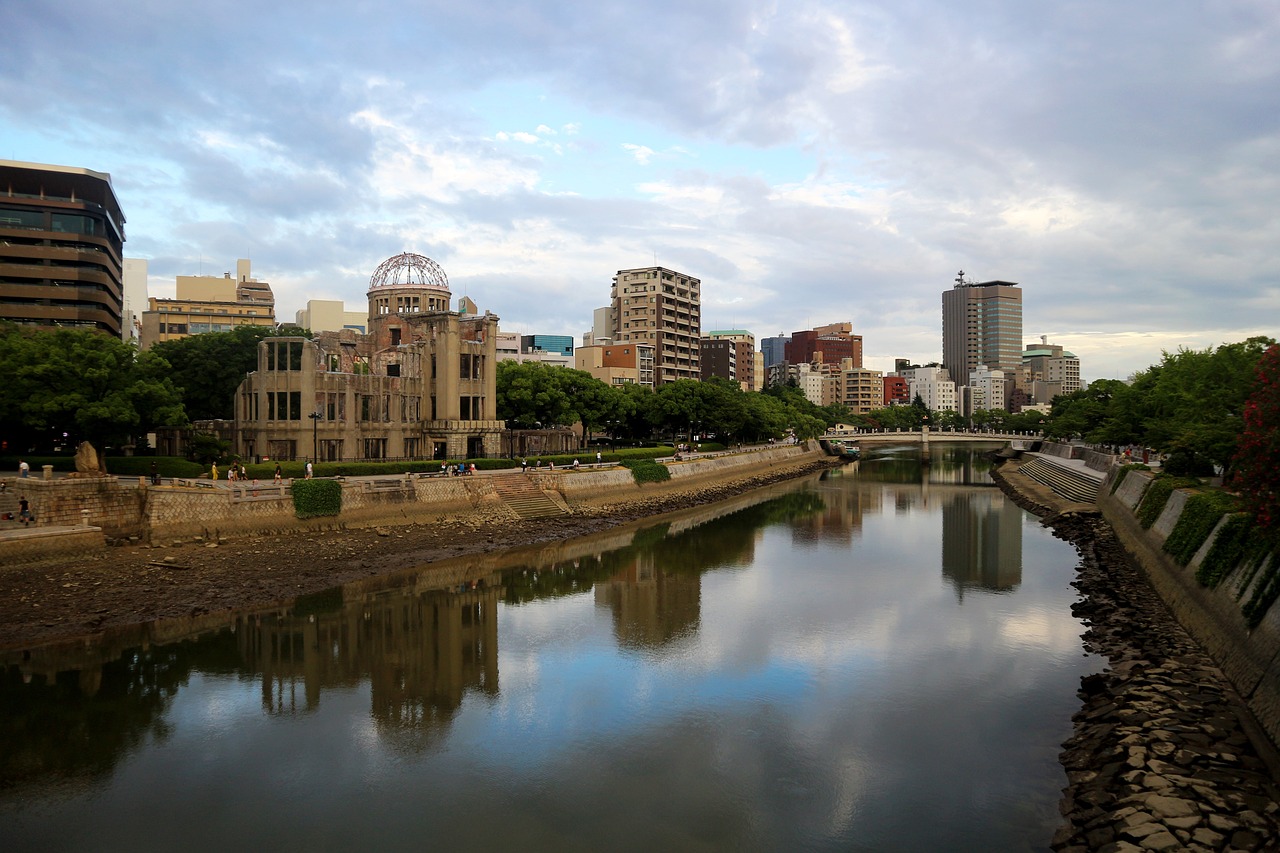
{"points": [[532, 394], [91, 386], [209, 368]]}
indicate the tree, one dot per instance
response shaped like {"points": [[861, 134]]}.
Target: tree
{"points": [[209, 368], [532, 395], [1256, 469], [81, 385]]}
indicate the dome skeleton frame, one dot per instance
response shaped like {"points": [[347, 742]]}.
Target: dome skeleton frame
{"points": [[409, 269]]}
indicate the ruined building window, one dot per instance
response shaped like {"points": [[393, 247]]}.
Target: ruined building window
{"points": [[395, 337], [393, 369]]}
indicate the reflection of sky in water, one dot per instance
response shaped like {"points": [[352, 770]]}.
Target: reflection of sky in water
{"points": [[839, 696]]}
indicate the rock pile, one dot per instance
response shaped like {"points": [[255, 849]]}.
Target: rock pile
{"points": [[1161, 757]]}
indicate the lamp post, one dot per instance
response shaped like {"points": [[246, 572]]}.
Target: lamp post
{"points": [[315, 444]]}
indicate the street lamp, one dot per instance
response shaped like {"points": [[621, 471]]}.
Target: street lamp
{"points": [[315, 444]]}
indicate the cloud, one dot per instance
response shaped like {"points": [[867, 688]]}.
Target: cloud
{"points": [[850, 157]]}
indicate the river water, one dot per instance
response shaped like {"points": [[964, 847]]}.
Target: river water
{"points": [[881, 658]]}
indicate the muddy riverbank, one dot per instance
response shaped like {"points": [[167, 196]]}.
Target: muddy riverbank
{"points": [[72, 597]]}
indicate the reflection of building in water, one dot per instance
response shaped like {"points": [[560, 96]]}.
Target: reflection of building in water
{"points": [[981, 541], [840, 519], [421, 651], [651, 607]]}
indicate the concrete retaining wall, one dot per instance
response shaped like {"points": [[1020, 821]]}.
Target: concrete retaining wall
{"points": [[1250, 659], [117, 505]]}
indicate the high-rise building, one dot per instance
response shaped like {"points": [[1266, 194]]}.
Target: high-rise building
{"points": [[661, 307], [61, 248], [1049, 371], [835, 341], [982, 325], [774, 349], [738, 364]]}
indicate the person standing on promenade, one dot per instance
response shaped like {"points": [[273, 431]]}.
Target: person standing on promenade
{"points": [[24, 470], [213, 471], [24, 510], [279, 473], [309, 469]]}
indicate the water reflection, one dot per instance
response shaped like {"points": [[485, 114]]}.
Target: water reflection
{"points": [[879, 658]]}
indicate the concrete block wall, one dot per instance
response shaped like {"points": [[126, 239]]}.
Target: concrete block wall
{"points": [[1249, 658]]}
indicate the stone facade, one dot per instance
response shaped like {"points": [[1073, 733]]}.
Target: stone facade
{"points": [[420, 385]]}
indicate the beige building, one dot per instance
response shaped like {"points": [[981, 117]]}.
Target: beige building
{"points": [[330, 315], [622, 363], [662, 308], [1049, 371], [209, 303], [859, 389], [420, 385]]}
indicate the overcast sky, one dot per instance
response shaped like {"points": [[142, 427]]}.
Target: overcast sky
{"points": [[811, 162]]}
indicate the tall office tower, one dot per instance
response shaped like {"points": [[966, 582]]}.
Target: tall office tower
{"points": [[61, 248], [982, 325], [661, 307], [774, 349]]}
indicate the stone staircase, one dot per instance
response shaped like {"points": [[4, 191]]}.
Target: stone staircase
{"points": [[1067, 482], [525, 499], [9, 505]]}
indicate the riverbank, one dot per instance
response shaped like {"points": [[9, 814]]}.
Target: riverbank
{"points": [[79, 596], [1164, 755]]}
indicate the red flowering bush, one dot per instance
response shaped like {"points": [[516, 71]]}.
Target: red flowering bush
{"points": [[1257, 463]]}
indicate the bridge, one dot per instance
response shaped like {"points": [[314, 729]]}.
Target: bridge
{"points": [[901, 436]]}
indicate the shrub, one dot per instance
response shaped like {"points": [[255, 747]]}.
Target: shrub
{"points": [[1200, 515], [1157, 495], [647, 471], [1227, 551], [313, 498]]}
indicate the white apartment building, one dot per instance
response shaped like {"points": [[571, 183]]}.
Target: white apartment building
{"points": [[934, 386], [986, 389]]}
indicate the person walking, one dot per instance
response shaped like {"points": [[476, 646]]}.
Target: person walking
{"points": [[279, 473], [309, 469], [24, 470], [24, 510], [213, 471]]}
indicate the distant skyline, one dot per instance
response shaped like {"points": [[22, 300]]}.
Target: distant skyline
{"points": [[812, 162]]}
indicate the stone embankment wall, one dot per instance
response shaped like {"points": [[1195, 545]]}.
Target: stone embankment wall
{"points": [[131, 507], [1249, 658]]}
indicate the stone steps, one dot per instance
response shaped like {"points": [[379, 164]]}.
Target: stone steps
{"points": [[525, 498], [1065, 481]]}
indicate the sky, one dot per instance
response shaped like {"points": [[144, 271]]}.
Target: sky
{"points": [[811, 162]]}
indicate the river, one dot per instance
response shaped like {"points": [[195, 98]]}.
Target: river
{"points": [[881, 658]]}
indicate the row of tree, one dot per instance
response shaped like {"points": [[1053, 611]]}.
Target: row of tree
{"points": [[66, 385]]}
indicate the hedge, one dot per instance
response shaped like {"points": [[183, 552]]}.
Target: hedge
{"points": [[647, 471], [313, 498]]}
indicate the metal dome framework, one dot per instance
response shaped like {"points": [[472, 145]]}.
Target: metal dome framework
{"points": [[409, 270]]}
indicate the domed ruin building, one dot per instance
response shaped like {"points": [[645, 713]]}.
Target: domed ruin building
{"points": [[420, 385]]}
